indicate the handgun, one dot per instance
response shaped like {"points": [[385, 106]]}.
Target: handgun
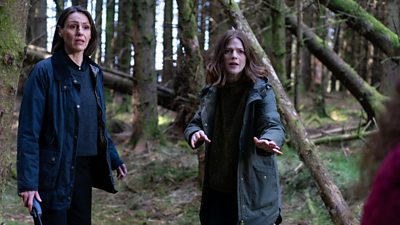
{"points": [[36, 212]]}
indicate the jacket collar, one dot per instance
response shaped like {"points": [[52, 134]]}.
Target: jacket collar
{"points": [[257, 90], [60, 66]]}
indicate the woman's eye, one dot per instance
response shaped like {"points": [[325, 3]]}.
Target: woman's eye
{"points": [[228, 51], [72, 26]]}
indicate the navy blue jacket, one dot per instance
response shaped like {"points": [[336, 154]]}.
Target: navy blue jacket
{"points": [[258, 192], [48, 131]]}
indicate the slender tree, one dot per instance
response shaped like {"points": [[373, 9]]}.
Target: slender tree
{"points": [[36, 33], [110, 29], [278, 44], [123, 40], [168, 67], [83, 3], [144, 98], [13, 17], [98, 22]]}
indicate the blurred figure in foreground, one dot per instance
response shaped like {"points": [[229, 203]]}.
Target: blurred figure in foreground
{"points": [[380, 168]]}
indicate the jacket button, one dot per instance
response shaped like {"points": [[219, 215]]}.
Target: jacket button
{"points": [[205, 124], [72, 167], [53, 159], [265, 177], [65, 87], [78, 106], [75, 81], [241, 179]]}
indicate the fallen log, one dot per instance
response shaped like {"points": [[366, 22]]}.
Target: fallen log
{"points": [[117, 80]]}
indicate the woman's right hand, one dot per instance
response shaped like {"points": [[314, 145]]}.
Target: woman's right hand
{"points": [[27, 198], [197, 137]]}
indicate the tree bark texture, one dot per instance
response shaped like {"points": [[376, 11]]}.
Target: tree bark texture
{"points": [[371, 28], [110, 28], [144, 99], [330, 194], [190, 77], [123, 40], [369, 98], [279, 40], [13, 18], [168, 66]]}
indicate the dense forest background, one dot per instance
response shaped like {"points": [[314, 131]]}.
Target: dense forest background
{"points": [[333, 64]]}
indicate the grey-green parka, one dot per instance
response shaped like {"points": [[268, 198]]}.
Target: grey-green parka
{"points": [[258, 191]]}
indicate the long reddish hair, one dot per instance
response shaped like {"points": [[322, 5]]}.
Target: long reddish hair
{"points": [[215, 70]]}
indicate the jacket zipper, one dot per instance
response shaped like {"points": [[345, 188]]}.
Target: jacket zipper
{"points": [[241, 222]]}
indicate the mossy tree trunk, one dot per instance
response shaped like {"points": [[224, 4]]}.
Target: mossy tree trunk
{"points": [[363, 22], [144, 98], [278, 44], [330, 194], [189, 79], [13, 18]]}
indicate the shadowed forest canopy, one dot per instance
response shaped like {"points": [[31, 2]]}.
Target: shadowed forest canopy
{"points": [[333, 65]]}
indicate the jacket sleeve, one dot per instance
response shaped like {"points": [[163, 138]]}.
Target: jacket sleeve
{"points": [[194, 125], [115, 160], [30, 122], [114, 156], [268, 120]]}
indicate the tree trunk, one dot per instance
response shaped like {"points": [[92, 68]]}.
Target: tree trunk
{"points": [[168, 67], [13, 17], [299, 44], [82, 3], [36, 33], [371, 28], [370, 99], [330, 194], [278, 44], [144, 99], [123, 39], [190, 77], [110, 28], [99, 11]]}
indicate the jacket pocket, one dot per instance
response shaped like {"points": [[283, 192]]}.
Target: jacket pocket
{"points": [[48, 169], [265, 193]]}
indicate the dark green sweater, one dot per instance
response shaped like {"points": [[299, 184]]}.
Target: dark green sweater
{"points": [[228, 120]]}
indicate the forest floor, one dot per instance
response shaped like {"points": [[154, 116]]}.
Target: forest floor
{"points": [[162, 186]]}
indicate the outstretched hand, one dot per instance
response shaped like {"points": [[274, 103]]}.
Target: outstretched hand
{"points": [[198, 137], [268, 146]]}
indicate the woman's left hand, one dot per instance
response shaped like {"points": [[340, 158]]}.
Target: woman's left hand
{"points": [[121, 171], [267, 145]]}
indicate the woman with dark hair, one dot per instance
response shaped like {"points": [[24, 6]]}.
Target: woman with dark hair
{"points": [[63, 146], [380, 168], [242, 131]]}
